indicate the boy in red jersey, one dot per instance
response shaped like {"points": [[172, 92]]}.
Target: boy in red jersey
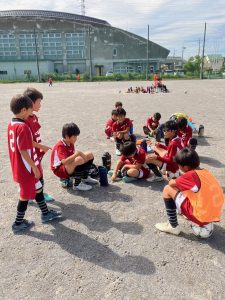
{"points": [[185, 133], [66, 162], [34, 125], [110, 122], [163, 158], [24, 163], [196, 194], [121, 129], [131, 163], [152, 124]]}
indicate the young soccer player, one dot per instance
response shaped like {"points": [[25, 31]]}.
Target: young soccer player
{"points": [[66, 162], [196, 194], [25, 164], [121, 129], [163, 158], [118, 105], [152, 124], [109, 124], [34, 125], [131, 164], [185, 133]]}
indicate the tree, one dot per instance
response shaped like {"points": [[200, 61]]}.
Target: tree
{"points": [[193, 65]]}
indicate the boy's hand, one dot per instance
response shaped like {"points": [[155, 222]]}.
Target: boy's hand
{"points": [[45, 148], [152, 156], [113, 178], [36, 172]]}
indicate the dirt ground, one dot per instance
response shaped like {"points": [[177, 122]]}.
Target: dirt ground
{"points": [[106, 246]]}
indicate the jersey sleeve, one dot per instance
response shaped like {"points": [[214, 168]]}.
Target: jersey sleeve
{"points": [[61, 152], [140, 159], [188, 181], [24, 138]]}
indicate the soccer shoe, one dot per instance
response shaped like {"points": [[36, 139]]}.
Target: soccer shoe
{"points": [[31, 202], [110, 173], [155, 179], [128, 179], [118, 153], [25, 225], [65, 183], [166, 227], [112, 139], [51, 215], [82, 187], [90, 180], [119, 175], [48, 198], [202, 232]]}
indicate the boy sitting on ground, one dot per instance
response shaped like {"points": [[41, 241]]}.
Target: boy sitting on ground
{"points": [[163, 158], [121, 129], [109, 124], [196, 194], [152, 124], [131, 164], [185, 133], [66, 162]]}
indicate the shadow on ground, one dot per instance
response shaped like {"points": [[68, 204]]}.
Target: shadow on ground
{"points": [[216, 241], [211, 161], [203, 141], [88, 249], [96, 220], [110, 193]]}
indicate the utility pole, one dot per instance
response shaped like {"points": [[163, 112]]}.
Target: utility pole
{"points": [[203, 54], [199, 47], [147, 64], [37, 60], [90, 54]]}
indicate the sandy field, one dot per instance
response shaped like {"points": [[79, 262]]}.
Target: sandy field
{"points": [[106, 246]]}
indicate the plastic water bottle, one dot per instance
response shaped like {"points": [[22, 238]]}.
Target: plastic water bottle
{"points": [[106, 160], [201, 131], [103, 179]]}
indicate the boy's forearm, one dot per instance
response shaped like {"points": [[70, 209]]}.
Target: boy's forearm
{"points": [[118, 166], [172, 183], [26, 156], [71, 158]]}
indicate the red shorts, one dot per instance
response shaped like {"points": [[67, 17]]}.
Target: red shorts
{"points": [[144, 173], [184, 206], [27, 189], [61, 172]]}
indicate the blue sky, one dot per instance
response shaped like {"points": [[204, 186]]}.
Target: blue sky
{"points": [[173, 23]]}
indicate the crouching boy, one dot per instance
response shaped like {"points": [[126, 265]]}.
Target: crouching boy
{"points": [[130, 166], [196, 194], [66, 162]]}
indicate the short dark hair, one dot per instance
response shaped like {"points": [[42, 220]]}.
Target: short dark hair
{"points": [[118, 103], [182, 123], [70, 129], [33, 94], [121, 112], [187, 157], [157, 116], [19, 102], [114, 112], [170, 125], [128, 148]]}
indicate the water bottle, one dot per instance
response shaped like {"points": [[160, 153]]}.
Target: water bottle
{"points": [[103, 179], [201, 131], [106, 160]]}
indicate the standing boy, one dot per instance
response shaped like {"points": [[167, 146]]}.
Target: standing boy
{"points": [[34, 125], [66, 162], [196, 194], [24, 163], [163, 158]]}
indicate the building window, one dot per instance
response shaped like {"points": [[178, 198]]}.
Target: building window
{"points": [[3, 72], [114, 52], [27, 72]]}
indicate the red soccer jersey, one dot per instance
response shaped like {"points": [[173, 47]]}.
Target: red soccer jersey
{"points": [[188, 181], [20, 138], [32, 122], [138, 158], [174, 146], [109, 123], [153, 124], [121, 126], [185, 135], [59, 152]]}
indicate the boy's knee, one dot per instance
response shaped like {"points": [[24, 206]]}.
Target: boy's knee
{"points": [[79, 161], [166, 191]]}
